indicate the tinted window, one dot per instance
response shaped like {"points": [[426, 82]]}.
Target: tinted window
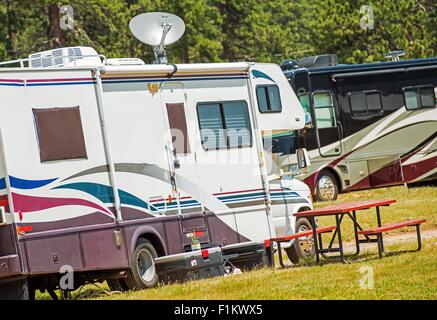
{"points": [[358, 103], [411, 101], [324, 110], [365, 102], [60, 134], [419, 97], [269, 99], [224, 125], [373, 101], [427, 97]]}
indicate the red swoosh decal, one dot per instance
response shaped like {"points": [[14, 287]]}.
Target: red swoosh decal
{"points": [[25, 203]]}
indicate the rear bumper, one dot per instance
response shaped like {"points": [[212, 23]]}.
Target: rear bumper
{"points": [[9, 266]]}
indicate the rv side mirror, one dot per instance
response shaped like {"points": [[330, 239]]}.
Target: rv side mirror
{"points": [[303, 159]]}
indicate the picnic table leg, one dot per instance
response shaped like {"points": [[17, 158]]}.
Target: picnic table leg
{"points": [[357, 242], [281, 262], [340, 242], [419, 238], [380, 244], [378, 218], [334, 235], [316, 247]]}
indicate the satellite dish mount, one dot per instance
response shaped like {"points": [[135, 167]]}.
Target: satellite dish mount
{"points": [[157, 29], [159, 51]]}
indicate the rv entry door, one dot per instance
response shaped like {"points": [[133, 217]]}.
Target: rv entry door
{"points": [[328, 128], [182, 166]]}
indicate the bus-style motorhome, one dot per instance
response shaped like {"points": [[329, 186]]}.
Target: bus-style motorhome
{"points": [[368, 125]]}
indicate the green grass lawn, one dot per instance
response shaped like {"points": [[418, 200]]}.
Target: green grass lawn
{"points": [[401, 276], [409, 275]]}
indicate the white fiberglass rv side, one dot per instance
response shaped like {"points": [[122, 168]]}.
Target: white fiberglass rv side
{"points": [[104, 165]]}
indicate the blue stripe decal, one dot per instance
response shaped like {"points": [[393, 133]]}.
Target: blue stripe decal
{"points": [[104, 193], [12, 84], [26, 184], [259, 74]]}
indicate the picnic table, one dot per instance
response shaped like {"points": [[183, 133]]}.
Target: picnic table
{"points": [[339, 211], [349, 209]]}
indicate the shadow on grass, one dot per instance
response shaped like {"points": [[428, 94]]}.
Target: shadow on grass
{"points": [[366, 256], [84, 292]]}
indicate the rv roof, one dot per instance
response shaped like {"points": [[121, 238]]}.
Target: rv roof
{"points": [[340, 68], [166, 69]]}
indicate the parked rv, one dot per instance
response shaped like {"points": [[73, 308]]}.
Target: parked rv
{"points": [[368, 125], [107, 164]]}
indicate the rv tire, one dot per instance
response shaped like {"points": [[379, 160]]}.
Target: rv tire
{"points": [[301, 248], [15, 290], [326, 187], [142, 274]]}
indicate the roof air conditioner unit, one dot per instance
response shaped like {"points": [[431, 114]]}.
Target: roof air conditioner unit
{"points": [[65, 57]]}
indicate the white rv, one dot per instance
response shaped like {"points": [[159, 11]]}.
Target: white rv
{"points": [[107, 165]]}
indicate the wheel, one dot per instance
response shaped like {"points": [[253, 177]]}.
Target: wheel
{"points": [[117, 285], [142, 274], [326, 188], [302, 248], [15, 290]]}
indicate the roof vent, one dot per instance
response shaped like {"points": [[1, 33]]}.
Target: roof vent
{"points": [[65, 57]]}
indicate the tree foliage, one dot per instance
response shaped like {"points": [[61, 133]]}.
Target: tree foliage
{"points": [[228, 30]]}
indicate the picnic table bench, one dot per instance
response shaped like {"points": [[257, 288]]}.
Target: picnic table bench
{"points": [[293, 236]]}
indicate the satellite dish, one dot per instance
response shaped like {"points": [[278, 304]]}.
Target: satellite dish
{"points": [[157, 29]]}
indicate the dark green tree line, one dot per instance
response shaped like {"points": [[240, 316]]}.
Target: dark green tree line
{"points": [[228, 30]]}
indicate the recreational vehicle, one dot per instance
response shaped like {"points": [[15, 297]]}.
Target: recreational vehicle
{"points": [[107, 164], [368, 125]]}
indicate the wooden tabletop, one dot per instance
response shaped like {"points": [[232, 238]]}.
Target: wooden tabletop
{"points": [[345, 207]]}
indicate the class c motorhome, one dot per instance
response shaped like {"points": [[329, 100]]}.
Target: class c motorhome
{"points": [[106, 166]]}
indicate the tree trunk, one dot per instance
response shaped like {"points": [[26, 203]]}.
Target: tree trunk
{"points": [[56, 35], [10, 44]]}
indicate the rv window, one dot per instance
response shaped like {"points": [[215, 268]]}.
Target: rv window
{"points": [[178, 127], [427, 97], [305, 102], [269, 99], [411, 102], [211, 126], [358, 103], [324, 110], [365, 102], [419, 97], [373, 101], [60, 134], [224, 125]]}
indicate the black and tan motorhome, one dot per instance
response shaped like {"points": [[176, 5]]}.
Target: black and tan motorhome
{"points": [[368, 125]]}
